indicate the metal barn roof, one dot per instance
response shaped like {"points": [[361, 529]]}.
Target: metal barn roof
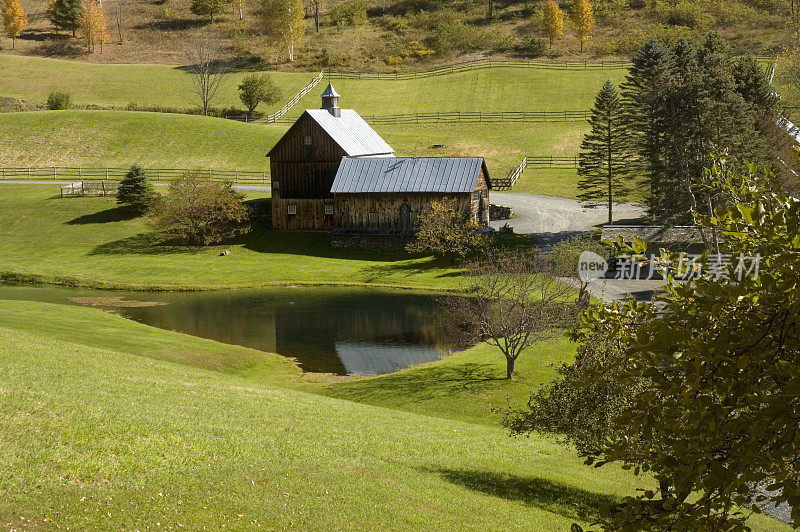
{"points": [[407, 174], [350, 132]]}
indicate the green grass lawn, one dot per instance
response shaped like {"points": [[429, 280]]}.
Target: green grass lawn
{"points": [[120, 139], [495, 89], [89, 242], [468, 386], [100, 431]]}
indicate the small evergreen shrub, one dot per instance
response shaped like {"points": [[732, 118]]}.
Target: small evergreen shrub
{"points": [[136, 193], [58, 101]]}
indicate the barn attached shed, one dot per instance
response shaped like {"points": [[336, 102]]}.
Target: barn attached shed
{"points": [[388, 195]]}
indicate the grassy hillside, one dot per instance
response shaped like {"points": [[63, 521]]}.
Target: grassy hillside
{"points": [[410, 33], [171, 446], [95, 436], [495, 89], [118, 138], [88, 241]]}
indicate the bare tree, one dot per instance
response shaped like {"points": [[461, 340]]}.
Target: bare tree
{"points": [[208, 75], [516, 302], [118, 17]]}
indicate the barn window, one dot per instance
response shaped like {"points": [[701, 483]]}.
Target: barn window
{"points": [[309, 148], [328, 209], [291, 209], [373, 220], [276, 184]]}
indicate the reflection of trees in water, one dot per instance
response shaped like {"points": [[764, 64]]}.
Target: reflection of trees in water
{"points": [[306, 324]]}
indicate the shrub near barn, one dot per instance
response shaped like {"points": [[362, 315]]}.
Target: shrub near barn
{"points": [[197, 211]]}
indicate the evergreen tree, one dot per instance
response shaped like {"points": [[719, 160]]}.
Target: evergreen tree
{"points": [[644, 96], [65, 14], [603, 158], [136, 192], [682, 106]]}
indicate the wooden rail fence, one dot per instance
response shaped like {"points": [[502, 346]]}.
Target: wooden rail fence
{"points": [[534, 161], [79, 173], [453, 117], [89, 188], [481, 64]]}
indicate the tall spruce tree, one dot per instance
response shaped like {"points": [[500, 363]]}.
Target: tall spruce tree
{"points": [[604, 161], [65, 14], [683, 106], [644, 94]]}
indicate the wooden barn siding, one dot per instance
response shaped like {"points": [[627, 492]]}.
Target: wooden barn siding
{"points": [[310, 215], [305, 183], [352, 210], [481, 186], [298, 177]]}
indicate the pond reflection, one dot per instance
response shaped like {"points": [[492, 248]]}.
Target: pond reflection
{"points": [[330, 329]]}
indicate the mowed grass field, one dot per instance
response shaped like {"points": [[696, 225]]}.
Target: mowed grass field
{"points": [[487, 89], [90, 242], [122, 138], [100, 431]]}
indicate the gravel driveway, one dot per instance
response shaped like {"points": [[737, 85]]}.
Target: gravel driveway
{"points": [[551, 218]]}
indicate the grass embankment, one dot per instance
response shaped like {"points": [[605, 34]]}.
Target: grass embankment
{"points": [[90, 242], [94, 435], [120, 139]]}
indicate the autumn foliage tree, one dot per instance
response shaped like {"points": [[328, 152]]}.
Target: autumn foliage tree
{"points": [[582, 19], [93, 26], [197, 211], [14, 19], [283, 20], [553, 21]]}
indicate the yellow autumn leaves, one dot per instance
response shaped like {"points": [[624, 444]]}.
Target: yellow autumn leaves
{"points": [[91, 22], [581, 19], [14, 19], [93, 27]]}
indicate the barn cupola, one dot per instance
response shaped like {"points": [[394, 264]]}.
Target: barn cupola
{"points": [[330, 101]]}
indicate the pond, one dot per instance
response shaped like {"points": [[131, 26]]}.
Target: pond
{"points": [[327, 329]]}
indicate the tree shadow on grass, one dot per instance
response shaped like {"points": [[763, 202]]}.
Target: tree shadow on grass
{"points": [[115, 214], [143, 244], [376, 272], [423, 384], [262, 240], [551, 496]]}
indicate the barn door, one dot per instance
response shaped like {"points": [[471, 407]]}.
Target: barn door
{"points": [[405, 218]]}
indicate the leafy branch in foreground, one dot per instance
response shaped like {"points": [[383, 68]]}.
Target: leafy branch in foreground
{"points": [[701, 389]]}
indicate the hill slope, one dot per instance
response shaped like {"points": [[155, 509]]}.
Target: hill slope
{"points": [[99, 438]]}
